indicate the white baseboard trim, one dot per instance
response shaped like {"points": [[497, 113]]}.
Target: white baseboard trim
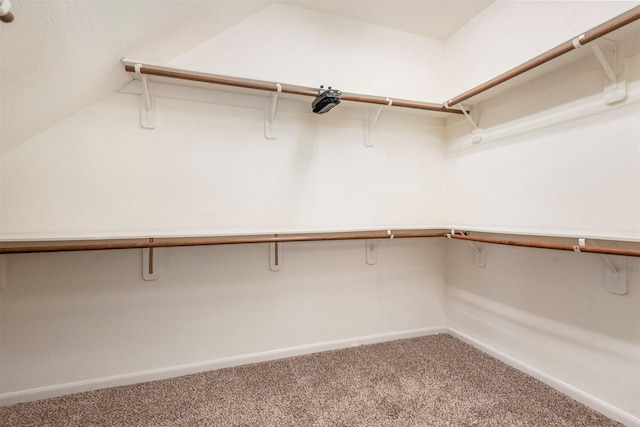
{"points": [[567, 389], [181, 370]]}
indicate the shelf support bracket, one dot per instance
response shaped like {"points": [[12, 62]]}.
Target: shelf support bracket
{"points": [[372, 251], [614, 90], [3, 271], [148, 103], [275, 256], [149, 267], [270, 124], [476, 134], [480, 258], [616, 280], [372, 122]]}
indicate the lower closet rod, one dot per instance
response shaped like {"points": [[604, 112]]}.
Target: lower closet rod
{"points": [[556, 246], [221, 240], [278, 238]]}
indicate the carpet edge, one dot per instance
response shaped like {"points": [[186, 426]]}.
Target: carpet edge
{"points": [[40, 393], [575, 393]]}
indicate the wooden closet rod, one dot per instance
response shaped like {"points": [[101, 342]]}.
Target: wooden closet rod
{"points": [[589, 36], [221, 240], [308, 237], [601, 30], [556, 246], [130, 65]]}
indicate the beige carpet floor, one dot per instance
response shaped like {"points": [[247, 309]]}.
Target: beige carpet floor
{"points": [[428, 381]]}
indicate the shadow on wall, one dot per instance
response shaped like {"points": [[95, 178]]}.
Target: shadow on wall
{"points": [[555, 290]]}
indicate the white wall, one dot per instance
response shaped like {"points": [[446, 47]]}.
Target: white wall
{"points": [[208, 169], [75, 321], [547, 312], [574, 172], [576, 178], [69, 318], [292, 45], [571, 174]]}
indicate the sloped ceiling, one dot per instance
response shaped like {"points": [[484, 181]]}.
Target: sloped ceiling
{"points": [[436, 19], [58, 56]]}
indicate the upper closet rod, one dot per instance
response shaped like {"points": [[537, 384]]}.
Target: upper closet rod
{"points": [[222, 240], [589, 36], [134, 66]]}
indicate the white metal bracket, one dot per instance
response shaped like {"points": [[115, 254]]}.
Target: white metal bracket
{"points": [[616, 280], [480, 258], [476, 134], [275, 256], [3, 272], [149, 267], [372, 121], [148, 104], [270, 124], [615, 90], [372, 251]]}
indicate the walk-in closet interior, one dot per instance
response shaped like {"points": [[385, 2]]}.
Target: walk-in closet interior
{"points": [[170, 203]]}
